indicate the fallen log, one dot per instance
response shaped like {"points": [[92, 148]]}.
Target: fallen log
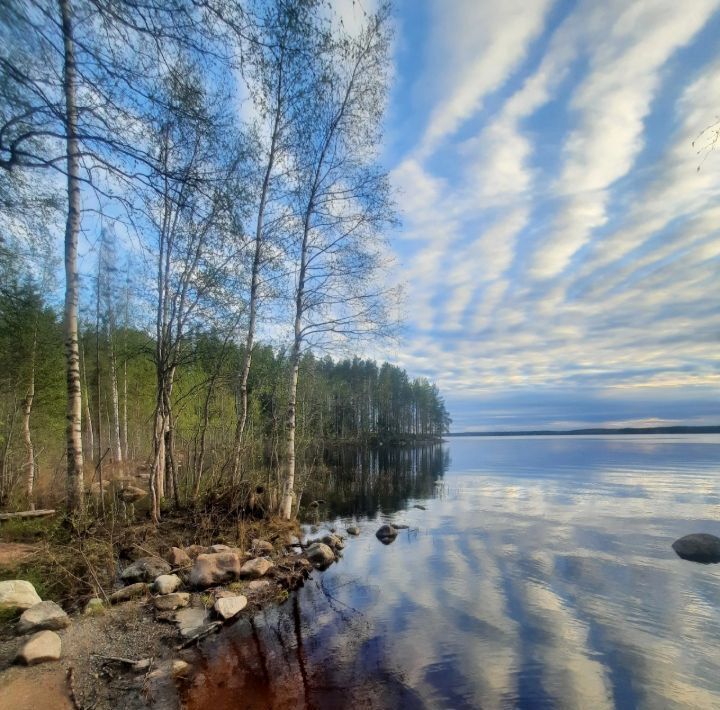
{"points": [[27, 514]]}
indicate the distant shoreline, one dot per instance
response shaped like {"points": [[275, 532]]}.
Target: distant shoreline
{"points": [[715, 429]]}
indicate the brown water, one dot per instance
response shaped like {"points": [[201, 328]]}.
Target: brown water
{"points": [[540, 575]]}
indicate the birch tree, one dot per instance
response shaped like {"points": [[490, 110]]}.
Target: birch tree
{"points": [[343, 205]]}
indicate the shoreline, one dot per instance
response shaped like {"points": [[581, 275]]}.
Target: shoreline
{"points": [[137, 651]]}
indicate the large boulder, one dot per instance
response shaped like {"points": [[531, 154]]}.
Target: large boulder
{"points": [[386, 534], [216, 568], [698, 547], [18, 594], [178, 558], [320, 555], [254, 569], [167, 583], [131, 494], [45, 615], [227, 607], [146, 569], [43, 646]]}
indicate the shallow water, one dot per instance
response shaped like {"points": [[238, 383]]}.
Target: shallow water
{"points": [[540, 575]]}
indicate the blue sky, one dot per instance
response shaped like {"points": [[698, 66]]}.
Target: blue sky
{"points": [[559, 247]]}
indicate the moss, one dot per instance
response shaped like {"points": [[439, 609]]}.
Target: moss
{"points": [[235, 587], [208, 600]]}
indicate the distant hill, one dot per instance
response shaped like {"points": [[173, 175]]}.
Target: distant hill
{"points": [[715, 429]]}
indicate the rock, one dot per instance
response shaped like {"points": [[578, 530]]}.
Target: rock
{"points": [[352, 530], [386, 534], [698, 547], [253, 569], [262, 547], [215, 568], [320, 555], [193, 551], [258, 585], [419, 507], [178, 558], [94, 606], [131, 494], [43, 646], [332, 529], [399, 526], [146, 569], [132, 591], [142, 665], [44, 615], [170, 602], [333, 541], [227, 607], [190, 621], [18, 594], [167, 583], [180, 668], [220, 548]]}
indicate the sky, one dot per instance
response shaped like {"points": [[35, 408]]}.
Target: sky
{"points": [[560, 244]]}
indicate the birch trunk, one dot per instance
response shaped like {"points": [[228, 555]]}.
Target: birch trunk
{"points": [[72, 229], [27, 438], [116, 447], [89, 435]]}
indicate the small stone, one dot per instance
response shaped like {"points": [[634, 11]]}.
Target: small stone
{"points": [[132, 591], [44, 615], [320, 555], [178, 558], [142, 665], [219, 548], [190, 621], [386, 534], [41, 647], [167, 583], [352, 530], [170, 602], [262, 547], [333, 542], [146, 569], [180, 668], [227, 607], [18, 594], [256, 568], [193, 551], [94, 606], [258, 585]]}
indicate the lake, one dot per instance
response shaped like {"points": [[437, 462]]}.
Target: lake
{"points": [[540, 575]]}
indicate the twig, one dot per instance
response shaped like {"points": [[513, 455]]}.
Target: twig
{"points": [[211, 628]]}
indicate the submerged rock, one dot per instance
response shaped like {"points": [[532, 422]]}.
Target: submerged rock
{"points": [[215, 568], [18, 594], [386, 534], [320, 555], [43, 646], [352, 530], [698, 547], [45, 615], [419, 507], [146, 569]]}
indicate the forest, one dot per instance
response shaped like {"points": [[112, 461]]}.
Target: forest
{"points": [[211, 168]]}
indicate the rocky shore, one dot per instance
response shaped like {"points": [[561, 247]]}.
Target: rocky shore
{"points": [[132, 646]]}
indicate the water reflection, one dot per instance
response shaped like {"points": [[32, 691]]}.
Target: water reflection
{"points": [[361, 481], [542, 577]]}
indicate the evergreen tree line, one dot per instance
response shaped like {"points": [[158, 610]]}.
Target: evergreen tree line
{"points": [[353, 401]]}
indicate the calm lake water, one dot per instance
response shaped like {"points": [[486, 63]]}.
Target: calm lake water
{"points": [[540, 576]]}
